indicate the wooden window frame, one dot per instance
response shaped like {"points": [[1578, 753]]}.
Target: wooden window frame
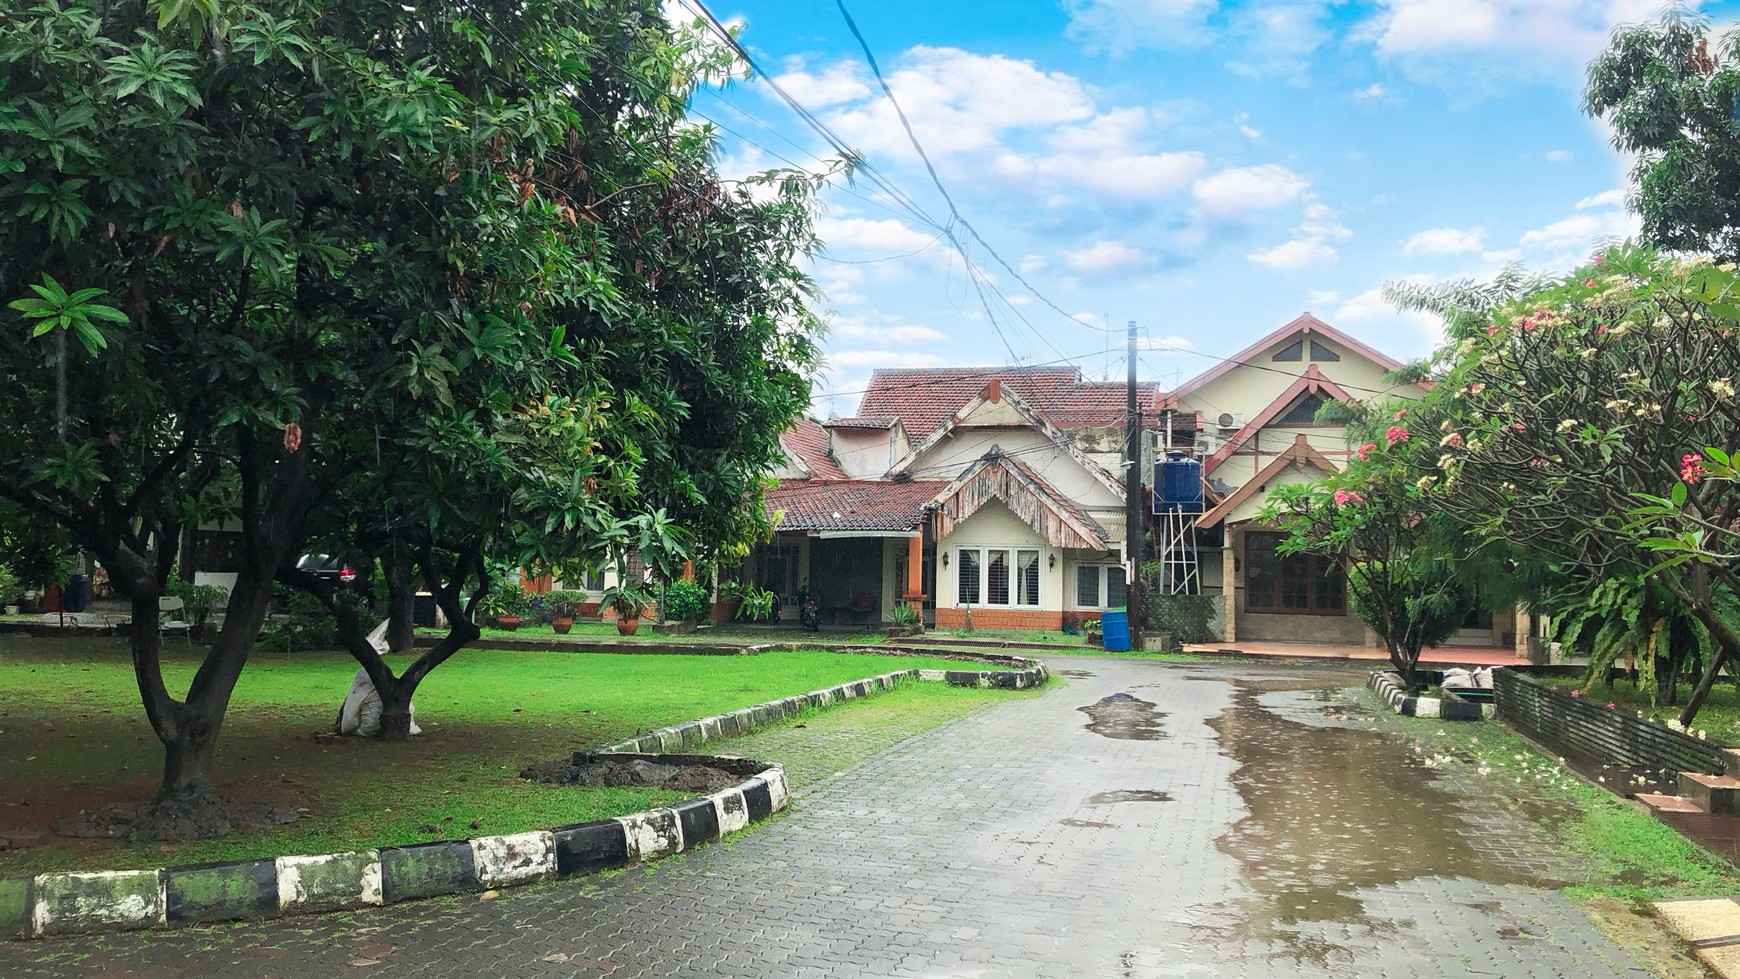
{"points": [[1316, 572]]}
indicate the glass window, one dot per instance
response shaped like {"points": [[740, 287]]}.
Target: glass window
{"points": [[1117, 591], [996, 577], [1304, 411], [969, 577], [1292, 351], [1027, 582], [1276, 582], [1320, 352], [1087, 586]]}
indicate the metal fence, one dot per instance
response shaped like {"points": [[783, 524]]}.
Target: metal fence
{"points": [[1186, 618], [1592, 735]]}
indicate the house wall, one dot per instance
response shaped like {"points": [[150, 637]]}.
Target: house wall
{"points": [[947, 458], [866, 453], [996, 525], [1248, 390]]}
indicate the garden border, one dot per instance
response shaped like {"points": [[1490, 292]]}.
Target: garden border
{"points": [[72, 903], [1388, 686]]}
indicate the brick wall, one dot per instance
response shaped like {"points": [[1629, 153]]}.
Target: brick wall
{"points": [[999, 618]]}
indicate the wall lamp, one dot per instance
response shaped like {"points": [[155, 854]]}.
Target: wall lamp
{"points": [[1051, 561], [945, 556]]}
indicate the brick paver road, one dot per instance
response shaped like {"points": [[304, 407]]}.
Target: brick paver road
{"points": [[1229, 829]]}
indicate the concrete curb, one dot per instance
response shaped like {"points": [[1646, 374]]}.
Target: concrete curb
{"points": [[83, 903], [1389, 687]]}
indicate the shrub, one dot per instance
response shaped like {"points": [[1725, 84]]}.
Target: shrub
{"points": [[506, 599], [305, 625], [904, 616], [199, 601], [684, 601], [563, 603], [1186, 618], [9, 586]]}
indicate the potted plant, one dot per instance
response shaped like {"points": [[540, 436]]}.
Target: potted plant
{"points": [[9, 590], [905, 621], [757, 605], [562, 604], [730, 599], [628, 601], [507, 603], [1094, 636], [682, 606]]}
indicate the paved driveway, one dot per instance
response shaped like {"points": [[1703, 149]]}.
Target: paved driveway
{"points": [[1138, 820]]}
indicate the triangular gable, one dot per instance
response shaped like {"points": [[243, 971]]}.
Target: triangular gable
{"points": [[996, 393], [1311, 382], [1305, 325], [1300, 453], [997, 476]]}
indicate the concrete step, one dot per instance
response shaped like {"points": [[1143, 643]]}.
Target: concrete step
{"points": [[1711, 793], [1667, 803]]}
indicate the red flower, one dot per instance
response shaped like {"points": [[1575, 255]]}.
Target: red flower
{"points": [[1364, 452], [1396, 433], [1344, 497], [1398, 415], [1692, 468], [1519, 426]]}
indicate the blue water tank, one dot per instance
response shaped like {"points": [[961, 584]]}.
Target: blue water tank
{"points": [[1178, 485], [1115, 631]]}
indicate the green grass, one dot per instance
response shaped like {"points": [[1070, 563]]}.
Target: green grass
{"points": [[1014, 635], [73, 736], [1719, 718], [1636, 856]]}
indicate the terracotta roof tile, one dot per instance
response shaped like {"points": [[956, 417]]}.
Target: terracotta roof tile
{"points": [[862, 421], [809, 442], [851, 504], [924, 398]]}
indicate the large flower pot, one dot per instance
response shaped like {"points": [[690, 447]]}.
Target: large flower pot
{"points": [[562, 625], [627, 627], [508, 622]]}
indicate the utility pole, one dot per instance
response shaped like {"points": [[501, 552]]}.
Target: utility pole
{"points": [[1133, 495]]}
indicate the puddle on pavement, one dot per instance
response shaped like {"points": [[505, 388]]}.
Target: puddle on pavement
{"points": [[1332, 810], [1124, 718], [1127, 795], [1078, 674], [1085, 823]]}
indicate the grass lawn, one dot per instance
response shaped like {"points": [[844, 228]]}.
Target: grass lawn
{"points": [[73, 736], [1635, 856], [1719, 718]]}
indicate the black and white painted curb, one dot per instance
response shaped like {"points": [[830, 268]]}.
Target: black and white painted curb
{"points": [[81, 903], [1389, 687]]}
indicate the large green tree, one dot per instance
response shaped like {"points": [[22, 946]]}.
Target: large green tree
{"points": [[438, 276], [1669, 91]]}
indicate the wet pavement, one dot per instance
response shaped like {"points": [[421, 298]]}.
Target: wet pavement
{"points": [[1136, 820]]}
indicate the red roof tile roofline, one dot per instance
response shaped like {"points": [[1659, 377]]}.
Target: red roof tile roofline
{"points": [[1304, 323]]}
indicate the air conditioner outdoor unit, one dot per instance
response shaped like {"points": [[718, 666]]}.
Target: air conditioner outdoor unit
{"points": [[1230, 419]]}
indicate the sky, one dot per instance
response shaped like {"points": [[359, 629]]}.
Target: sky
{"points": [[1207, 168]]}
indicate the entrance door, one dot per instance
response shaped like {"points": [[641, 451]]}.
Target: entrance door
{"points": [[846, 576]]}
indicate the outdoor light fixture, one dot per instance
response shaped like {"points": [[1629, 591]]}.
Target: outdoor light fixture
{"points": [[1051, 561], [945, 559]]}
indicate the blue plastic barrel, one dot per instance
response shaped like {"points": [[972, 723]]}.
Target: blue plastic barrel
{"points": [[1115, 630]]}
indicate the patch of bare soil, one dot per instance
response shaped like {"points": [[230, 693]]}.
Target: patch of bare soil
{"points": [[1649, 941], [598, 770], [148, 819]]}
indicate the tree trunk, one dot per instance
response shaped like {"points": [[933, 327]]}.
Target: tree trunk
{"points": [[1728, 644], [401, 596], [396, 710]]}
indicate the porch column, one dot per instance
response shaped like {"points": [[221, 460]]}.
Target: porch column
{"points": [[915, 571], [1229, 582]]}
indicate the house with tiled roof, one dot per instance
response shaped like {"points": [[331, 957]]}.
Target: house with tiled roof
{"points": [[989, 496]]}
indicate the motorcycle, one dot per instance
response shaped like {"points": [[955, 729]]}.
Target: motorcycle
{"points": [[809, 609]]}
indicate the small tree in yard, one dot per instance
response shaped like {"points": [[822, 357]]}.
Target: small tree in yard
{"points": [[1575, 398], [321, 267], [1405, 579]]}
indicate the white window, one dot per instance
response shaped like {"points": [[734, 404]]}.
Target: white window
{"points": [[1005, 576], [1100, 586]]}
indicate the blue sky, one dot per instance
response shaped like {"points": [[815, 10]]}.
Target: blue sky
{"points": [[1207, 168]]}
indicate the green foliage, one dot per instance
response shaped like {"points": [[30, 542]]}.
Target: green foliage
{"points": [[684, 601], [904, 615], [1186, 618], [629, 599], [200, 601], [563, 603], [757, 604], [1637, 621], [1433, 600], [506, 599], [10, 588], [1668, 95], [55, 309], [305, 624]]}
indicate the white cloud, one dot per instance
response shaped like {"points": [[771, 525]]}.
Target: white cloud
{"points": [[1322, 298], [1558, 156], [1311, 243], [1580, 232], [1277, 37], [1164, 343], [1371, 92], [1469, 44], [1294, 254], [1607, 198], [1107, 258], [884, 358], [1233, 194], [1118, 26], [889, 330], [1446, 241], [838, 83], [1378, 319], [881, 235]]}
